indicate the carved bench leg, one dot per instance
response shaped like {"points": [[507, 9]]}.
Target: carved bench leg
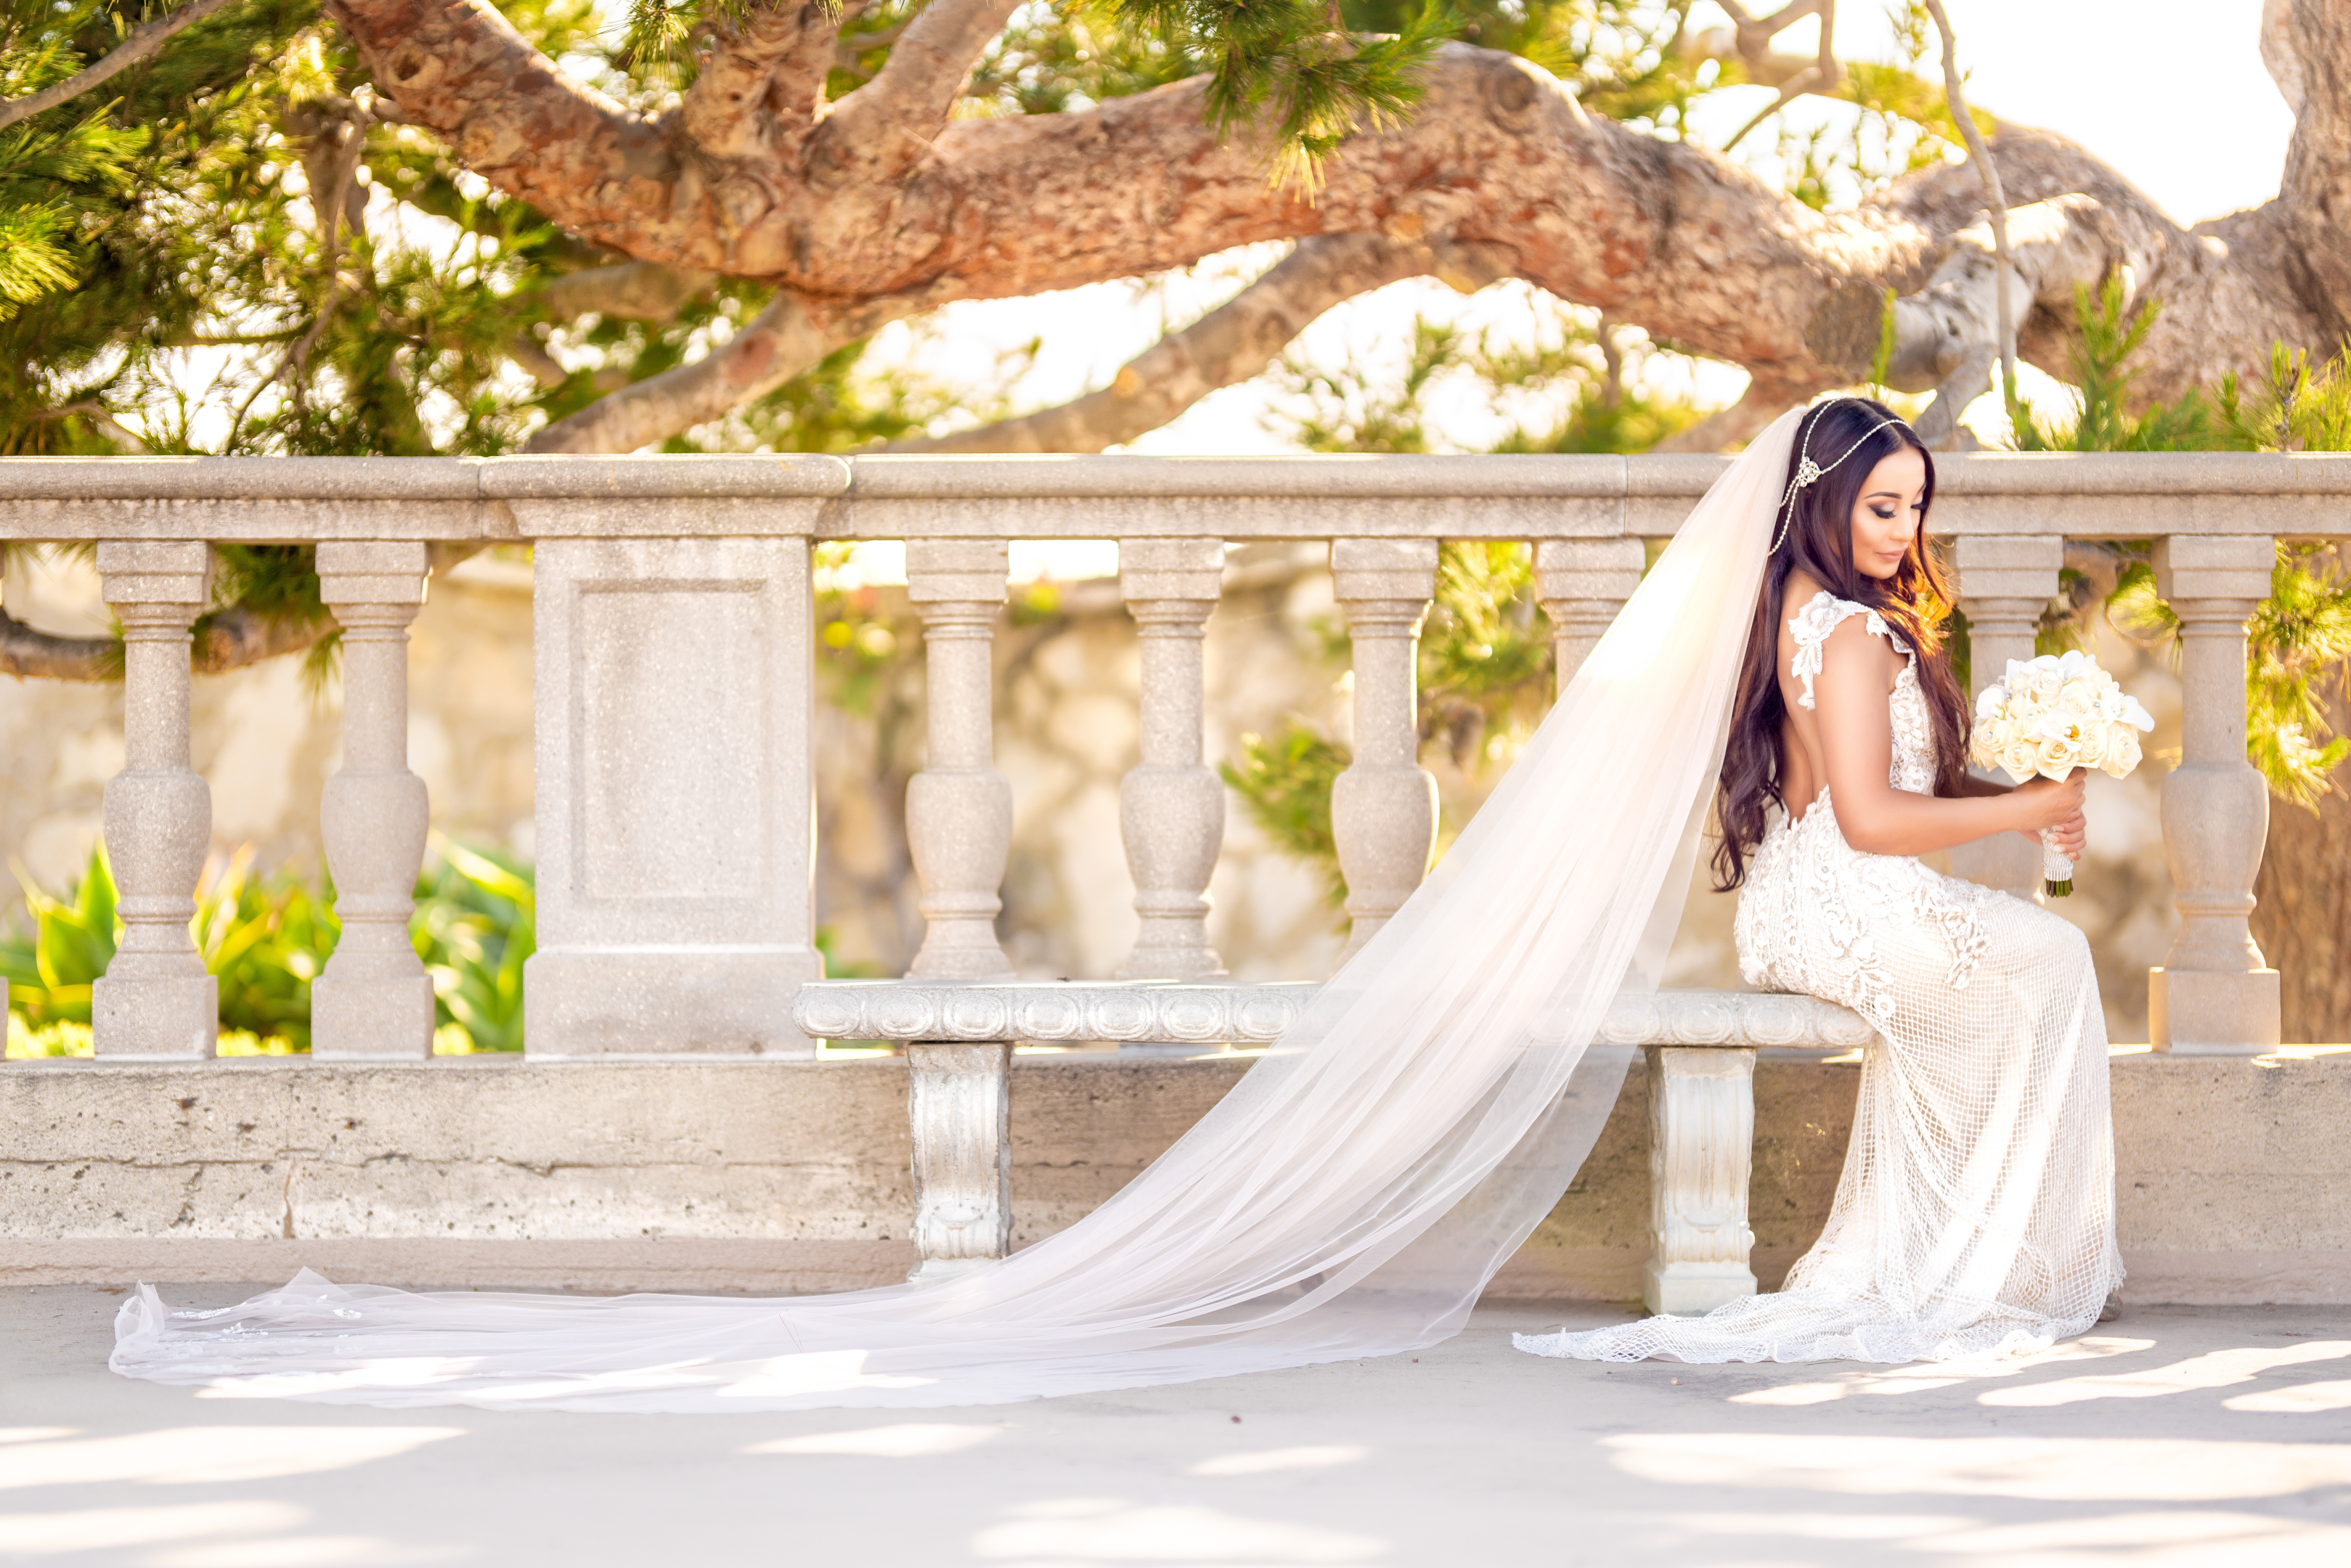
{"points": [[1701, 1145], [959, 1102]]}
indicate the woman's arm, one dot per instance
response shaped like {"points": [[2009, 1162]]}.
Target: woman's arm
{"points": [[1857, 740], [2069, 834]]}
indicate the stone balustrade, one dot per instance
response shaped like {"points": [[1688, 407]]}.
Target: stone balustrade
{"points": [[674, 644]]}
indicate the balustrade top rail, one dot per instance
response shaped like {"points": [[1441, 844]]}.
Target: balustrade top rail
{"points": [[298, 499]]}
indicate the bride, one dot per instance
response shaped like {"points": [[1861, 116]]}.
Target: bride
{"points": [[1353, 1193], [1976, 1210]]}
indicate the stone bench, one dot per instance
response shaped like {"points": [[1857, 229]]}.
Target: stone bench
{"points": [[960, 1038]]}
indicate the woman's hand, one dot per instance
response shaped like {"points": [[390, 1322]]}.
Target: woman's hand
{"points": [[2056, 805]]}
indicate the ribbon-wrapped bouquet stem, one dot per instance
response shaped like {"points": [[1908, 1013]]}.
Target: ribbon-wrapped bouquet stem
{"points": [[2051, 715]]}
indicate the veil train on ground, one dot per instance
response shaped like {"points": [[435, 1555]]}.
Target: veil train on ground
{"points": [[1349, 1197]]}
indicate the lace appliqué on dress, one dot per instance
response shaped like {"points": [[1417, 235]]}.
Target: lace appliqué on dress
{"points": [[1882, 882], [1811, 627]]}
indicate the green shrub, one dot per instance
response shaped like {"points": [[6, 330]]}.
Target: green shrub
{"points": [[266, 941], [476, 922]]}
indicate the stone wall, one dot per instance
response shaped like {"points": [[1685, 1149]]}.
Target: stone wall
{"points": [[792, 1175]]}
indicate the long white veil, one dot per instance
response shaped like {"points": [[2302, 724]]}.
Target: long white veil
{"points": [[1349, 1197]]}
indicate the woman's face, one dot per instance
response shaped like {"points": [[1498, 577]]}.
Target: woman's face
{"points": [[1885, 519]]}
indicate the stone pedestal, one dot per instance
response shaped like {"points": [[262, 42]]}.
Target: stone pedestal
{"points": [[675, 803], [1701, 1142], [155, 1001], [1582, 584], [959, 808], [2214, 995], [1384, 807], [2006, 581], [1171, 807], [374, 1001], [959, 1101]]}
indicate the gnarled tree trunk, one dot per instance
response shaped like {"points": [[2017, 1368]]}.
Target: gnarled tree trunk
{"points": [[881, 204]]}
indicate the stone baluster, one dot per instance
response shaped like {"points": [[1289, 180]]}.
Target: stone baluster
{"points": [[2006, 581], [156, 1002], [1384, 807], [2214, 995], [1701, 1143], [959, 1101], [1582, 584], [959, 808], [1171, 806], [373, 1002]]}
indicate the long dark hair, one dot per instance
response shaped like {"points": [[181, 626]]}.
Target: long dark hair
{"points": [[1915, 601]]}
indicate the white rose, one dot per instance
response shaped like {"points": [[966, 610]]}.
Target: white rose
{"points": [[1993, 735], [2021, 760], [2058, 757], [2122, 751]]}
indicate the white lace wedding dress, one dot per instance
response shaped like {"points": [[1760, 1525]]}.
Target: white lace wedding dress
{"points": [[1976, 1213]]}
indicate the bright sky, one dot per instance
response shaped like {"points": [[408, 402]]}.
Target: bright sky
{"points": [[2172, 93]]}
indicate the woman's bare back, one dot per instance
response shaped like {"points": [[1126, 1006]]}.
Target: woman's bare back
{"points": [[1804, 756]]}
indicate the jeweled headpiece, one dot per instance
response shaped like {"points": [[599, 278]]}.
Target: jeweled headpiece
{"points": [[1809, 472]]}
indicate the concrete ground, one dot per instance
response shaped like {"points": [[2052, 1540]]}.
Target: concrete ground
{"points": [[2183, 1436]]}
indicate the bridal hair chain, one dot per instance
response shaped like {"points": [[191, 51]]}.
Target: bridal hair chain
{"points": [[1808, 471]]}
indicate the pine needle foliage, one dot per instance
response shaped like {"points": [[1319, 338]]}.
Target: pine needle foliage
{"points": [[2107, 335], [1291, 71]]}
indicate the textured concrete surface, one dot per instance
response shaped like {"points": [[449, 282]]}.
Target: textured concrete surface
{"points": [[2170, 1439], [674, 797], [2235, 1182]]}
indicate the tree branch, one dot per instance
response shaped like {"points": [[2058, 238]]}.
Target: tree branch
{"points": [[141, 43], [224, 639], [632, 291], [101, 419], [1949, 336], [512, 116], [1821, 75], [1664, 235], [1735, 426], [764, 74], [786, 339], [852, 48], [888, 123], [2316, 192], [1228, 345], [231, 638], [43, 655], [1990, 172]]}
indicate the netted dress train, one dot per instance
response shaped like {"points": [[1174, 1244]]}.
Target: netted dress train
{"points": [[1976, 1213]]}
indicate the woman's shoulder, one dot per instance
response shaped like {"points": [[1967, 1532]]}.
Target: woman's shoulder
{"points": [[1819, 614], [1823, 622]]}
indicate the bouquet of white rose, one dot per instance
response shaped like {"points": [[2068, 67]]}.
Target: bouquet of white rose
{"points": [[2051, 715]]}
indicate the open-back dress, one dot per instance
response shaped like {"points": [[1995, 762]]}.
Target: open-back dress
{"points": [[1976, 1213]]}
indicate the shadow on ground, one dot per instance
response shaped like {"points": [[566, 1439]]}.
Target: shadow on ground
{"points": [[2181, 1436]]}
